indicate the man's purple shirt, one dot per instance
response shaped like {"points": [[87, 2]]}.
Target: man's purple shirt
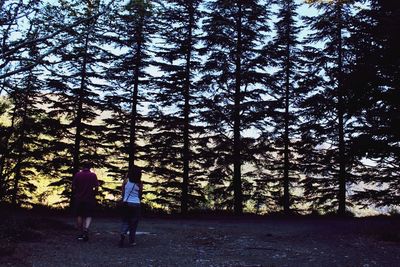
{"points": [[84, 186]]}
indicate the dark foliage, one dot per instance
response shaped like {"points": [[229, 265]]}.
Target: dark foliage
{"points": [[222, 111]]}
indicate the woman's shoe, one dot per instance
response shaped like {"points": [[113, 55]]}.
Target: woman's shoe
{"points": [[85, 236]]}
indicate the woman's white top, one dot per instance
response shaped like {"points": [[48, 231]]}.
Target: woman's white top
{"points": [[131, 194]]}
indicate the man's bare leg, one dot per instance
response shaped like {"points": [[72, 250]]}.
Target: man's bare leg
{"points": [[86, 224], [79, 226], [79, 223]]}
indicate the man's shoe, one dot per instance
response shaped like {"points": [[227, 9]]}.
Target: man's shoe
{"points": [[121, 241]]}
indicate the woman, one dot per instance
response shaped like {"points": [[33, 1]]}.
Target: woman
{"points": [[131, 196]]}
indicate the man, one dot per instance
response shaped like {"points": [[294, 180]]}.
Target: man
{"points": [[84, 189]]}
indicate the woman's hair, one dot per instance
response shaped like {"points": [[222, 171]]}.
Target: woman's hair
{"points": [[135, 175]]}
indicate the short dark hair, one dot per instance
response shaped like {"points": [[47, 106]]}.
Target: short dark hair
{"points": [[135, 174], [87, 164]]}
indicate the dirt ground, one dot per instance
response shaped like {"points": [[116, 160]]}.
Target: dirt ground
{"points": [[213, 242]]}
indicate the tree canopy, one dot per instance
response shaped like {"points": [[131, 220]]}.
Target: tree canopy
{"points": [[243, 106]]}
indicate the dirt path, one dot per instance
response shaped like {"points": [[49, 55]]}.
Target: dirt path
{"points": [[266, 242]]}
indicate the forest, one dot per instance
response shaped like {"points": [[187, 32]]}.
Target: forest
{"points": [[242, 106]]}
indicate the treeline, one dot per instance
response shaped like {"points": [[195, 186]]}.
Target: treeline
{"points": [[240, 105]]}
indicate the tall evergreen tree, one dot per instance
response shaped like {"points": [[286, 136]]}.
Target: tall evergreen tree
{"points": [[283, 55], [174, 114], [133, 28], [375, 79], [74, 86], [23, 155], [325, 112], [20, 91], [24, 101], [233, 34]]}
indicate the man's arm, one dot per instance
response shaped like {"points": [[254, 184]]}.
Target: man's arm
{"points": [[96, 185], [73, 188]]}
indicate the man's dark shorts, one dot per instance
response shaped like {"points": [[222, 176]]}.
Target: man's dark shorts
{"points": [[84, 209]]}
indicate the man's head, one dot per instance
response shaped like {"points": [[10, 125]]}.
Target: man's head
{"points": [[87, 164]]}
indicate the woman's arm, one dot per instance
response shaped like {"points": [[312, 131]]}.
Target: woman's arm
{"points": [[140, 191], [123, 188]]}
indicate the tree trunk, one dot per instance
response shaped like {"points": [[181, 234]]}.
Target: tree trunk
{"points": [[79, 113], [286, 193], [5, 155], [237, 182], [135, 93], [186, 126], [340, 107], [20, 146]]}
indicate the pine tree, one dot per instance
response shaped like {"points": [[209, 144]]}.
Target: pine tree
{"points": [[233, 34], [133, 28], [23, 156], [283, 55], [325, 115], [74, 86], [173, 114], [375, 79], [19, 92]]}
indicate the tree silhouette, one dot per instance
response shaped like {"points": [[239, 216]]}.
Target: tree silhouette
{"points": [[175, 93], [233, 31]]}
